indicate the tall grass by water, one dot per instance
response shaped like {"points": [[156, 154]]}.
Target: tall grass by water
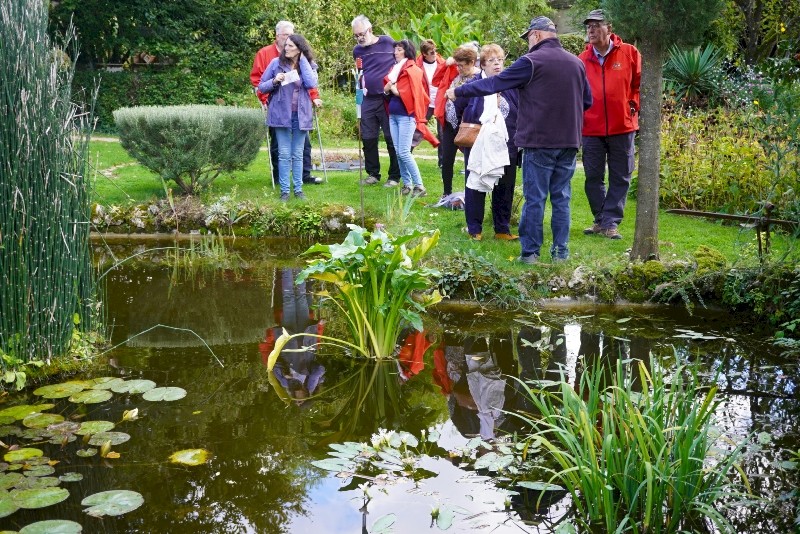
{"points": [[637, 449], [47, 287]]}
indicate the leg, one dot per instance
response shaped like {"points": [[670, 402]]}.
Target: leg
{"points": [[394, 127], [560, 196], [595, 151], [537, 167], [428, 116], [449, 150], [307, 161], [406, 126], [621, 159], [284, 138], [474, 208], [394, 166], [299, 138], [503, 198], [370, 129], [273, 154]]}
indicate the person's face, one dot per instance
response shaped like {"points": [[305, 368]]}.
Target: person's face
{"points": [[362, 34], [430, 55], [280, 38], [399, 53], [290, 49], [533, 38], [465, 68], [599, 33], [493, 65]]}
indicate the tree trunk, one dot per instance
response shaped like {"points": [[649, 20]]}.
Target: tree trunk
{"points": [[645, 239]]}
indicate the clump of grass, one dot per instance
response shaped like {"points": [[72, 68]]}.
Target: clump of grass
{"points": [[638, 461], [47, 287]]}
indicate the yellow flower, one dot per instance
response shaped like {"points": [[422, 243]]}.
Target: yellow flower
{"points": [[755, 102], [783, 28]]}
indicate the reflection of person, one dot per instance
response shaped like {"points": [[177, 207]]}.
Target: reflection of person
{"points": [[553, 94], [288, 78], [296, 369], [614, 70], [492, 57], [376, 53], [411, 357], [408, 104], [263, 58]]}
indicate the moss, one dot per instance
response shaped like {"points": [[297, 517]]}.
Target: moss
{"points": [[709, 261]]}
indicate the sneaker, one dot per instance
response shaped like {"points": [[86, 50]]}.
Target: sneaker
{"points": [[506, 237], [391, 183], [370, 180], [299, 195], [594, 229], [406, 190], [420, 191], [284, 197], [530, 259], [610, 233], [313, 180]]}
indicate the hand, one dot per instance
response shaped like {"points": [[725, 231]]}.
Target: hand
{"points": [[388, 87], [451, 94], [279, 77], [449, 61], [318, 102]]}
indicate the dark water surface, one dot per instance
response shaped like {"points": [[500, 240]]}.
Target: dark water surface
{"points": [[263, 435]]}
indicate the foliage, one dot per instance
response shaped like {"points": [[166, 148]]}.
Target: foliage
{"points": [[636, 460], [191, 145], [693, 74], [447, 29], [573, 42], [471, 276], [375, 275], [46, 275]]}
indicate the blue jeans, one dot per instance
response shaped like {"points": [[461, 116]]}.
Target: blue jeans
{"points": [[546, 170], [290, 155], [402, 129]]}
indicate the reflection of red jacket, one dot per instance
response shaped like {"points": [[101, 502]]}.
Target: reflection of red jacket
{"points": [[440, 376], [442, 79], [412, 353], [615, 90], [262, 60], [414, 93]]}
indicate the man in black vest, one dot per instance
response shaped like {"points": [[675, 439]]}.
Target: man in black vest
{"points": [[553, 94]]}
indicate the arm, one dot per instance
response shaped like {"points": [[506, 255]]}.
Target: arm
{"points": [[517, 75], [268, 81], [308, 74], [587, 92]]}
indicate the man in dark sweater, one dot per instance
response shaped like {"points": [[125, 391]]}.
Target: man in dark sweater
{"points": [[553, 94]]}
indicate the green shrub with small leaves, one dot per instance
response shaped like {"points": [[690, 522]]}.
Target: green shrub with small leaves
{"points": [[573, 42], [191, 145]]}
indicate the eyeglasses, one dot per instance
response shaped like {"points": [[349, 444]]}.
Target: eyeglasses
{"points": [[594, 25], [361, 35], [464, 65], [495, 60]]}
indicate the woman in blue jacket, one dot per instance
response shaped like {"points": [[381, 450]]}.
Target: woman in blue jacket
{"points": [[286, 81]]}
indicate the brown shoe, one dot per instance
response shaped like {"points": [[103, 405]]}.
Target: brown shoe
{"points": [[594, 229], [506, 237], [476, 237], [610, 233]]}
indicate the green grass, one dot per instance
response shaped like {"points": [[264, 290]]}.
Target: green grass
{"points": [[679, 235]]}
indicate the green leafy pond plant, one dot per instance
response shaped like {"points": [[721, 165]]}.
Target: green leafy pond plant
{"points": [[379, 282]]}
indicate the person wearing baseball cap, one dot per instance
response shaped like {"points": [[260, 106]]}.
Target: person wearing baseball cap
{"points": [[614, 70], [553, 95]]}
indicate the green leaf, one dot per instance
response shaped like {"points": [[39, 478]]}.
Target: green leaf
{"points": [[91, 396], [20, 412], [190, 457], [539, 486], [164, 394], [42, 420], [133, 386], [445, 518], [383, 524], [114, 502], [7, 505], [59, 391], [19, 455], [106, 382], [52, 526], [40, 470], [9, 480], [93, 427], [114, 437], [71, 477], [334, 464], [39, 498], [86, 453]]}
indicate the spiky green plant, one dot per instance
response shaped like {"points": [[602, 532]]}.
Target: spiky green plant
{"points": [[46, 277], [646, 461], [693, 73]]}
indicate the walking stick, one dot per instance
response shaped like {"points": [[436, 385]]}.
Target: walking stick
{"points": [[269, 146], [321, 152], [360, 90]]}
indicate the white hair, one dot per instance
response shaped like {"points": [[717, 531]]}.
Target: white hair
{"points": [[361, 20], [284, 25]]}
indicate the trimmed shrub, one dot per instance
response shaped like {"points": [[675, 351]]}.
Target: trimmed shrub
{"points": [[191, 145], [573, 42]]}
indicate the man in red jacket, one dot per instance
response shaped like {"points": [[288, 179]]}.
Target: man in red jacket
{"points": [[614, 70], [262, 60]]}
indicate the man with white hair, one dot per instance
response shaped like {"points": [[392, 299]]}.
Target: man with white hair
{"points": [[376, 53], [283, 30]]}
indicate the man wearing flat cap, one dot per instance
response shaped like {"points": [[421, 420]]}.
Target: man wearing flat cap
{"points": [[553, 95], [614, 70]]}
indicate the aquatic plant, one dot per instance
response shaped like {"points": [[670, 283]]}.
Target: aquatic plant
{"points": [[375, 276], [46, 275], [637, 461]]}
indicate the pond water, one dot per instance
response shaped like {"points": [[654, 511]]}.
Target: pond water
{"points": [[263, 433]]}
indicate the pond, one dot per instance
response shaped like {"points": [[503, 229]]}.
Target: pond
{"points": [[263, 432]]}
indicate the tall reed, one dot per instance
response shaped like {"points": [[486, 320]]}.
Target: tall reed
{"points": [[47, 285], [646, 461]]}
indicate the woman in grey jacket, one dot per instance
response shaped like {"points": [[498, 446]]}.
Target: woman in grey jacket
{"points": [[286, 82]]}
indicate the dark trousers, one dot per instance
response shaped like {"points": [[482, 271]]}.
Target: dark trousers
{"points": [[374, 118], [449, 150], [618, 152], [418, 136], [273, 155], [502, 198]]}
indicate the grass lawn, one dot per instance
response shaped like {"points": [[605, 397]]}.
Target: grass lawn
{"points": [[118, 179]]}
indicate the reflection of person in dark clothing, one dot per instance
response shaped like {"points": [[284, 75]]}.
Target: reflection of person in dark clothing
{"points": [[296, 369]]}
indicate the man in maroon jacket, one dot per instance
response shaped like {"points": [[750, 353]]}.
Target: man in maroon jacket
{"points": [[614, 70], [262, 60]]}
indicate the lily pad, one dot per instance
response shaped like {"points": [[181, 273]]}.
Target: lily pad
{"points": [[61, 439], [539, 486], [9, 430], [7, 506], [114, 437], [71, 477], [9, 480], [334, 464], [19, 412], [164, 394], [86, 453], [114, 502], [40, 470], [66, 427], [37, 482], [384, 524], [91, 396], [42, 420], [33, 433], [106, 382], [133, 386], [22, 454], [190, 457], [39, 498], [59, 391], [93, 427], [6, 420], [52, 526]]}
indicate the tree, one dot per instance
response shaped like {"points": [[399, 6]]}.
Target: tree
{"points": [[655, 25]]}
